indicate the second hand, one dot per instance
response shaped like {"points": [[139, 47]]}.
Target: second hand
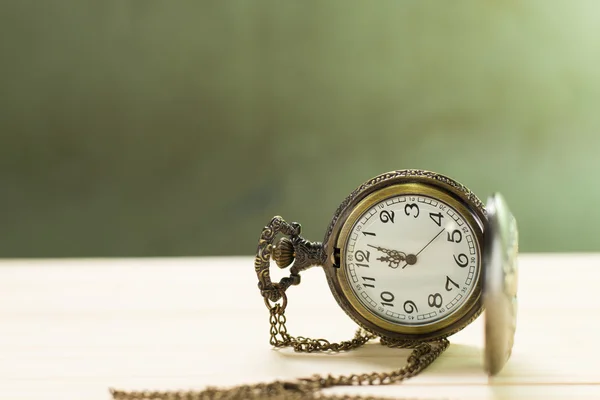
{"points": [[436, 236]]}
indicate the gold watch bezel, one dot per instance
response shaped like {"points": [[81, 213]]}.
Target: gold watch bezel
{"points": [[402, 183]]}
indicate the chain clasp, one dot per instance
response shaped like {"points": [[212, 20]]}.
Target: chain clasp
{"points": [[292, 249]]}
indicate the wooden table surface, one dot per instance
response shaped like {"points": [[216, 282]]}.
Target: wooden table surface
{"points": [[73, 328]]}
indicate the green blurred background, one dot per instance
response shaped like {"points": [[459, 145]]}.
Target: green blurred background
{"points": [[161, 128]]}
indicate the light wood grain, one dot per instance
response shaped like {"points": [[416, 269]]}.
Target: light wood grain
{"points": [[73, 328]]}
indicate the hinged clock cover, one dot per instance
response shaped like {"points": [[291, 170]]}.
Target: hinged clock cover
{"points": [[499, 283]]}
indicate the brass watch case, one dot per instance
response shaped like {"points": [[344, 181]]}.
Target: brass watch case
{"points": [[417, 182]]}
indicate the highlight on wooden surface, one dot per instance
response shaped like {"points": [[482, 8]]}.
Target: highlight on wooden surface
{"points": [[74, 328]]}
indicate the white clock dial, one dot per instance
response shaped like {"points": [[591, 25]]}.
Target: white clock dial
{"points": [[412, 260]]}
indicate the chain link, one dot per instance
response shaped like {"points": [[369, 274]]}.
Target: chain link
{"points": [[422, 355], [306, 254], [301, 344]]}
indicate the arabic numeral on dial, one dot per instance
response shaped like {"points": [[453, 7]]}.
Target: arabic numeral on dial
{"points": [[455, 237], [362, 256], [437, 218], [410, 307], [408, 210], [450, 281], [442, 310], [365, 278], [462, 260], [387, 298], [368, 233], [387, 216], [435, 300]]}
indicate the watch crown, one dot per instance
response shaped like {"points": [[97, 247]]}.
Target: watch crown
{"points": [[283, 252]]}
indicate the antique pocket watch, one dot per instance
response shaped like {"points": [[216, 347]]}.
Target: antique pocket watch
{"points": [[412, 257]]}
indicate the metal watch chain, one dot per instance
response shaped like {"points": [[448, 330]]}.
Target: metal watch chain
{"points": [[305, 254]]}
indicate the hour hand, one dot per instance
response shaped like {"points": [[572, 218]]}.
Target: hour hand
{"points": [[393, 261], [393, 257]]}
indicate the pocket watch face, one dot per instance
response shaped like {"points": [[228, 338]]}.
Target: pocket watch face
{"points": [[410, 261]]}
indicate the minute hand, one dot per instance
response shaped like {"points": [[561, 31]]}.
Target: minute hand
{"points": [[436, 236]]}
